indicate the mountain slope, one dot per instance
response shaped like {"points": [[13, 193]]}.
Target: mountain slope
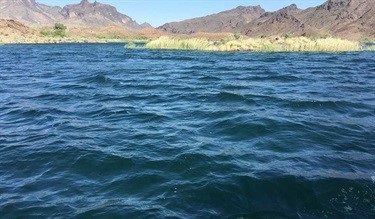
{"points": [[283, 21], [13, 26], [96, 15], [343, 17], [227, 21], [14, 32], [83, 14], [352, 19], [29, 12]]}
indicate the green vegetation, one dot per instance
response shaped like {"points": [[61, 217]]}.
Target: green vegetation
{"points": [[136, 40], [130, 45], [368, 45], [237, 36], [135, 43], [59, 30], [291, 44]]}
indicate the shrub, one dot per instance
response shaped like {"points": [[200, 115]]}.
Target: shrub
{"points": [[237, 36], [46, 33], [59, 30]]}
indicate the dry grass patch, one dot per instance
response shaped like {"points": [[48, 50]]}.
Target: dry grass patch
{"points": [[295, 44]]}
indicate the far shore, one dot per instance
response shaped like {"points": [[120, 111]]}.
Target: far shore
{"points": [[61, 41], [266, 44], [209, 42], [12, 32]]}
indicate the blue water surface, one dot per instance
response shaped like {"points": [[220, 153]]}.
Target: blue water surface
{"points": [[100, 131]]}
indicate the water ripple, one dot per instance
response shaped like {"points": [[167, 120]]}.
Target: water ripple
{"points": [[99, 131]]}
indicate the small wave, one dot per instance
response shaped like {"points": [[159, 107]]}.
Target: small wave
{"points": [[52, 97], [27, 113], [278, 78], [260, 214], [313, 104], [238, 129], [234, 87], [96, 112], [226, 96], [76, 87], [209, 78], [159, 57], [233, 97], [150, 116], [98, 79], [197, 68], [97, 163]]}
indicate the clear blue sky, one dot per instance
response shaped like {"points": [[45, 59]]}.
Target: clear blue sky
{"points": [[158, 12]]}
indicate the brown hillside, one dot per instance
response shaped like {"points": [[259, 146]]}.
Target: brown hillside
{"points": [[83, 14], [14, 31], [351, 19], [29, 12], [344, 18], [227, 21], [95, 14]]}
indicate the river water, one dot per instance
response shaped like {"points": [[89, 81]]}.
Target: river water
{"points": [[97, 130]]}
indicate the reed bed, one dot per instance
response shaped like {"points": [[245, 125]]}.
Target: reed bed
{"points": [[295, 44], [165, 42]]}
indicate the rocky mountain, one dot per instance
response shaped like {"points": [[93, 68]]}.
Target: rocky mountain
{"points": [[29, 12], [285, 21], [95, 15], [83, 14], [227, 21], [352, 19]]}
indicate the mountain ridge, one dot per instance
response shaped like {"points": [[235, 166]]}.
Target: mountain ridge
{"points": [[219, 22], [83, 14], [352, 19]]}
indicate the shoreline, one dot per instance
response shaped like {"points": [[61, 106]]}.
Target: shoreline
{"points": [[67, 40], [229, 44], [270, 44]]}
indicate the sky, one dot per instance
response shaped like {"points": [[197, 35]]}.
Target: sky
{"points": [[159, 12]]}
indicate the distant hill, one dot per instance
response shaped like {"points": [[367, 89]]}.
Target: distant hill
{"points": [[29, 12], [84, 14], [227, 21], [342, 18], [95, 15], [352, 19]]}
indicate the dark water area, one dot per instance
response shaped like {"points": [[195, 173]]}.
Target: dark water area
{"points": [[99, 131]]}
